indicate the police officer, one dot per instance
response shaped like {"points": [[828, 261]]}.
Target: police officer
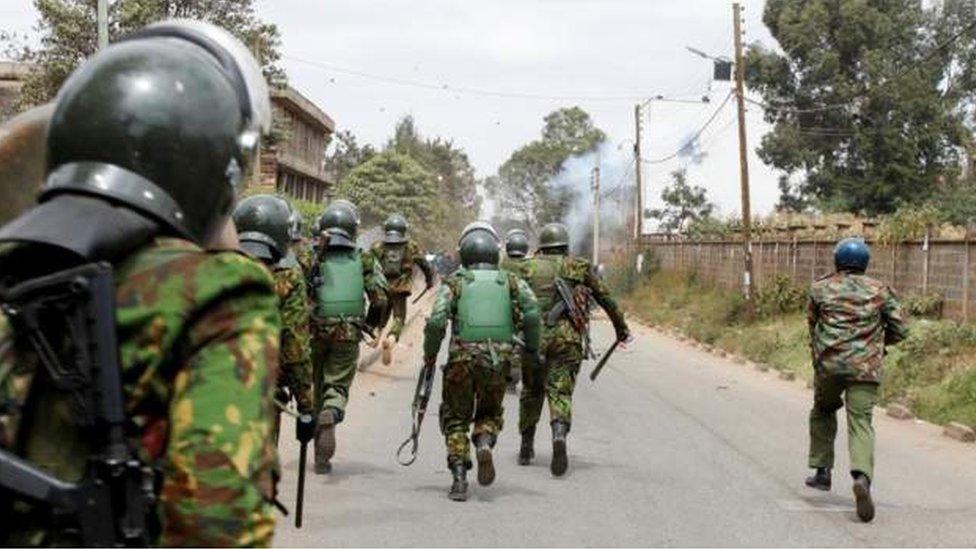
{"points": [[264, 225], [148, 147], [486, 308], [398, 255], [562, 344], [516, 254], [349, 293], [851, 318]]}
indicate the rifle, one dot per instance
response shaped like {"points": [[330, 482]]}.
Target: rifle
{"points": [[421, 294], [302, 461], [111, 505], [603, 361], [568, 306], [421, 396]]}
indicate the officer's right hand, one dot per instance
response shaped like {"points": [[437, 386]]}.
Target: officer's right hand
{"points": [[305, 428]]}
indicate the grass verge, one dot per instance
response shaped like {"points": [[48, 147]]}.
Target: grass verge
{"points": [[933, 372]]}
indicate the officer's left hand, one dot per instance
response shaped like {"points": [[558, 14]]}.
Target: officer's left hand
{"points": [[305, 428]]}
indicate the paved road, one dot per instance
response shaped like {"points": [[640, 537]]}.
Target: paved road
{"points": [[670, 447]]}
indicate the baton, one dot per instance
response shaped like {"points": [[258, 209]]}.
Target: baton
{"points": [[603, 361]]}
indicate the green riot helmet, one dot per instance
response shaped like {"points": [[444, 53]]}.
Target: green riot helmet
{"points": [[554, 236], [340, 222], [165, 122], [516, 243], [395, 229], [478, 246], [349, 204], [262, 226]]}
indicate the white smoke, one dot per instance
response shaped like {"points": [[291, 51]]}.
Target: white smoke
{"points": [[617, 190]]}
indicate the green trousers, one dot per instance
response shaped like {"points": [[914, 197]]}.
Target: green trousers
{"points": [[397, 310], [858, 398], [334, 364], [472, 392], [553, 382]]}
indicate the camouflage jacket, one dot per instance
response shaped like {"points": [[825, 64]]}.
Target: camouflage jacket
{"points": [[525, 317], [515, 265], [296, 350], [304, 255], [577, 271], [851, 318], [198, 344], [397, 262], [377, 293]]}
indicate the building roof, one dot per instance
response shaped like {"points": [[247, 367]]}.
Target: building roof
{"points": [[296, 103]]}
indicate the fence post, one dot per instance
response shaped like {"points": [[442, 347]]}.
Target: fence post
{"points": [[965, 274], [926, 247]]}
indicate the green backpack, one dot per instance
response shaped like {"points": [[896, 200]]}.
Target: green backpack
{"points": [[484, 309], [341, 293]]}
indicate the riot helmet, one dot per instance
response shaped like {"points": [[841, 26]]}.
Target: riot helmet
{"points": [[341, 223], [349, 204], [852, 254], [554, 237], [395, 229], [166, 122], [479, 246], [516, 243], [262, 226]]}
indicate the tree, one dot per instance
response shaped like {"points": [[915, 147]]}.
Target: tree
{"points": [[522, 189], [391, 182], [68, 35], [867, 109], [684, 204], [346, 154]]}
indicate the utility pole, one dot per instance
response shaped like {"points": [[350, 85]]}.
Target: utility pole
{"points": [[638, 164], [102, 21], [595, 185], [743, 161]]}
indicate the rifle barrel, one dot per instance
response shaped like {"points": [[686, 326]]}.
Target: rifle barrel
{"points": [[300, 498]]}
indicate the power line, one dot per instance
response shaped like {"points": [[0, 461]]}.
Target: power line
{"points": [[694, 137], [483, 92]]}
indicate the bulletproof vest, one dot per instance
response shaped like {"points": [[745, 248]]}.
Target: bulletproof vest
{"points": [[341, 293], [545, 269], [484, 309], [393, 260]]}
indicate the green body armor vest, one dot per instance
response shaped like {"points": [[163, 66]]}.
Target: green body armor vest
{"points": [[545, 270], [393, 260], [342, 291], [484, 309]]}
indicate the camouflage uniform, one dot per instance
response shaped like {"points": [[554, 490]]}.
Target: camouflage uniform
{"points": [[335, 344], [295, 378], [304, 255], [562, 345], [851, 318], [198, 345], [474, 377], [397, 262], [516, 266]]}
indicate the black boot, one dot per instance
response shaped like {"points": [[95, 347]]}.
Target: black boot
{"points": [[486, 467], [820, 480], [560, 461], [862, 497], [527, 452], [459, 488]]}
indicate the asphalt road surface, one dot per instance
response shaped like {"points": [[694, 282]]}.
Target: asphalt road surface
{"points": [[671, 446]]}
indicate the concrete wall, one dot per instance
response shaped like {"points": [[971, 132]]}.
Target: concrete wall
{"points": [[945, 267]]}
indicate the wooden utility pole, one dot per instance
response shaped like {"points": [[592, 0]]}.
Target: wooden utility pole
{"points": [[740, 74], [102, 22], [595, 185], [638, 165]]}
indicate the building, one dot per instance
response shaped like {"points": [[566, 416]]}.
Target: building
{"points": [[12, 76], [294, 165]]}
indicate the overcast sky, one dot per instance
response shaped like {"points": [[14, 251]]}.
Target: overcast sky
{"points": [[604, 53]]}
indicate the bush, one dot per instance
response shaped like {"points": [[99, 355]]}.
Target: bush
{"points": [[924, 306], [779, 297]]}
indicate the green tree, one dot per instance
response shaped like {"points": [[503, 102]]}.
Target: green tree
{"points": [[391, 182], [68, 35], [345, 154], [866, 109], [522, 189], [684, 205]]}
